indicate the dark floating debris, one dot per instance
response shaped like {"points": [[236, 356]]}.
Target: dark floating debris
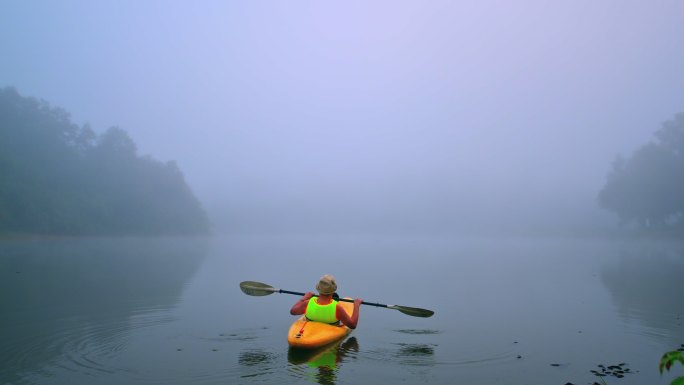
{"points": [[617, 371], [555, 364], [519, 356]]}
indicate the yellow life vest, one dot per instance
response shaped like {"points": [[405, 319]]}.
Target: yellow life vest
{"points": [[321, 313]]}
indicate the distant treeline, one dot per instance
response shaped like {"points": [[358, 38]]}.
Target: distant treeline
{"points": [[61, 179], [647, 189]]}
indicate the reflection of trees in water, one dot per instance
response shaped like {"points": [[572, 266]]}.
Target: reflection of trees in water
{"points": [[646, 285], [53, 292]]}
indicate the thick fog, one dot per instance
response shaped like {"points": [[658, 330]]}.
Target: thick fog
{"points": [[365, 116]]}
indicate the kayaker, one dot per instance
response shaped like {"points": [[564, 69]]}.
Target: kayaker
{"points": [[325, 308]]}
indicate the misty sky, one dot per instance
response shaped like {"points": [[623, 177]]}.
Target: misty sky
{"points": [[363, 113]]}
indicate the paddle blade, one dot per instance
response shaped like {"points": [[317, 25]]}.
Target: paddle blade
{"points": [[413, 311], [256, 288]]}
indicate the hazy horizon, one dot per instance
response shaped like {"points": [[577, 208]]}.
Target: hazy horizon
{"points": [[358, 117]]}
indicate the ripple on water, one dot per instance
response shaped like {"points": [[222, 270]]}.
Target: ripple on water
{"points": [[255, 357], [74, 344], [418, 331], [240, 335], [415, 354], [260, 363], [424, 350]]}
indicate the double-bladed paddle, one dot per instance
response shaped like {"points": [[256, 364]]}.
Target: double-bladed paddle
{"points": [[261, 289]]}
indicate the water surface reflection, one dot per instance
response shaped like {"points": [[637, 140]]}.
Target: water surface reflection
{"points": [[69, 305], [133, 311], [645, 285]]}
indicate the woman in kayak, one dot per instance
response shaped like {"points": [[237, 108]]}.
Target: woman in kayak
{"points": [[325, 308]]}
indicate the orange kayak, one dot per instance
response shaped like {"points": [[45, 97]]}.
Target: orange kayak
{"points": [[307, 334]]}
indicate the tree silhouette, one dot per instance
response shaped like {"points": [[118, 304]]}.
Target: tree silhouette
{"points": [[59, 178], [648, 188]]}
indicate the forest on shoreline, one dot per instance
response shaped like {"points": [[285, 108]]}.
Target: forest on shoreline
{"points": [[58, 178], [646, 189]]}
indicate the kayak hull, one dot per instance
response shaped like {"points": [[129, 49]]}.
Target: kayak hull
{"points": [[305, 334]]}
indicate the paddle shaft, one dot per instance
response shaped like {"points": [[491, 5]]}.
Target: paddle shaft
{"points": [[341, 299], [260, 289]]}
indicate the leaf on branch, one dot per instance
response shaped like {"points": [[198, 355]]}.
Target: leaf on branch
{"points": [[668, 359]]}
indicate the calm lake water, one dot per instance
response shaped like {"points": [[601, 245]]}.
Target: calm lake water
{"points": [[507, 311]]}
